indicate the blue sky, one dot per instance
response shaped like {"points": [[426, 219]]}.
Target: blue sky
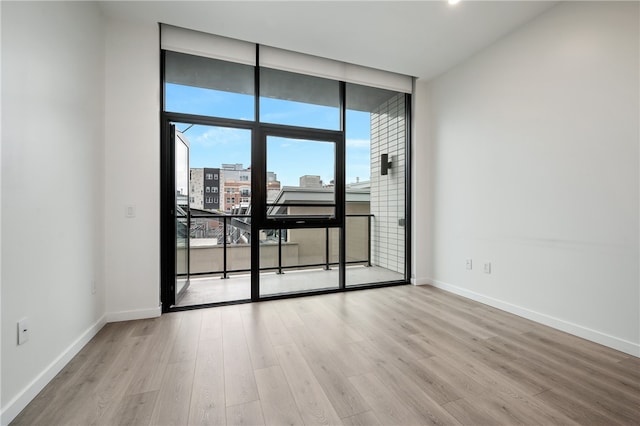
{"points": [[288, 158]]}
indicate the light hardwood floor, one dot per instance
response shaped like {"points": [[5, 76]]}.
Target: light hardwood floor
{"points": [[392, 356]]}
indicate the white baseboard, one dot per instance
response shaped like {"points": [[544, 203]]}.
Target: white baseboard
{"points": [[622, 345], [17, 404], [133, 315], [420, 281]]}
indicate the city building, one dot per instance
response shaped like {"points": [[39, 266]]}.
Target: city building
{"points": [[236, 187], [205, 188], [273, 186], [235, 173], [225, 189], [308, 181], [236, 195]]}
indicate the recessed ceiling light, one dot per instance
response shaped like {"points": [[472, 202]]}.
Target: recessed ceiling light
{"points": [[454, 1]]}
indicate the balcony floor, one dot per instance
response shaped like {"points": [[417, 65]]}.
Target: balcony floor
{"points": [[238, 287]]}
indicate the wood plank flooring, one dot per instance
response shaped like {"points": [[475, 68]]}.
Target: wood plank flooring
{"points": [[392, 356]]}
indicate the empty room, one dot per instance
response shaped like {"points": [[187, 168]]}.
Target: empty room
{"points": [[320, 212]]}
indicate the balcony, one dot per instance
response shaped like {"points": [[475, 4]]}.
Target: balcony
{"points": [[291, 261]]}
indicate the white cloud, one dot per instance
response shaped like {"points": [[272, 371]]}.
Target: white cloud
{"points": [[217, 136]]}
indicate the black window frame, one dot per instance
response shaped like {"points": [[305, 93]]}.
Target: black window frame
{"points": [[259, 187]]}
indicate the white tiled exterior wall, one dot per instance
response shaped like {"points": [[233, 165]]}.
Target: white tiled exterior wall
{"points": [[388, 192], [197, 189]]}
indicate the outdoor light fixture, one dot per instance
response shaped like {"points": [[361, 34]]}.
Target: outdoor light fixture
{"points": [[454, 1], [385, 164]]}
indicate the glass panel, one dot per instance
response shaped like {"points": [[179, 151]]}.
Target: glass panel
{"points": [[182, 214], [300, 178], [219, 186], [375, 202], [358, 242], [299, 100], [298, 260], [210, 87]]}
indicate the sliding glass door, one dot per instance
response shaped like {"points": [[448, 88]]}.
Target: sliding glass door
{"points": [[182, 213], [213, 190], [300, 224]]}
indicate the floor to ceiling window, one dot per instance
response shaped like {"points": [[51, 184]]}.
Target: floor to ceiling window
{"points": [[375, 130], [282, 174]]}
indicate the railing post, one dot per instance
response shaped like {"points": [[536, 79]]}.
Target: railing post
{"points": [[326, 250], [280, 251], [224, 248], [369, 240]]}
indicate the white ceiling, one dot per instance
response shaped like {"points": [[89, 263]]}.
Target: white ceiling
{"points": [[417, 38]]}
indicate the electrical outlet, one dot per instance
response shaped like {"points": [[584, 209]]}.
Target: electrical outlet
{"points": [[469, 264], [487, 267], [23, 331]]}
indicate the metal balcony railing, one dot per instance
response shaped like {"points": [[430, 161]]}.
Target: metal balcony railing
{"points": [[234, 231]]}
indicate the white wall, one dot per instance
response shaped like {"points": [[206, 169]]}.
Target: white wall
{"points": [[535, 149], [132, 170], [1, 411], [52, 189], [421, 186], [1, 416]]}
